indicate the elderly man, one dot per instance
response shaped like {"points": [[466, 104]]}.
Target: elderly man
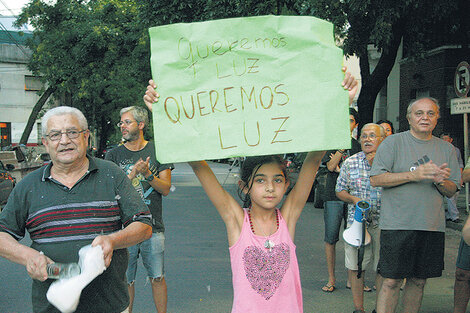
{"points": [[416, 171], [352, 186], [72, 202], [152, 180]]}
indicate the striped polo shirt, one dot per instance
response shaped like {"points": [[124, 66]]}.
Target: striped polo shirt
{"points": [[51, 212], [61, 220]]}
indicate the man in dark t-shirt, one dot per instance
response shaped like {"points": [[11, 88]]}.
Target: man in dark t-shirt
{"points": [[152, 180]]}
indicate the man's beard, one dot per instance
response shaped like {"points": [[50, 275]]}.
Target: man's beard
{"points": [[131, 136]]}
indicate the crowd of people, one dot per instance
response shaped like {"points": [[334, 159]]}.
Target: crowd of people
{"points": [[406, 178]]}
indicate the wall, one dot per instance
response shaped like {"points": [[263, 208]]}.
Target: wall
{"points": [[434, 76]]}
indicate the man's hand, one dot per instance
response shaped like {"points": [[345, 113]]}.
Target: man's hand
{"points": [[443, 174], [107, 245], [432, 172], [151, 96], [345, 196], [142, 166], [356, 200], [37, 266]]}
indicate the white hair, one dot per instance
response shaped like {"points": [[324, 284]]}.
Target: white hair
{"points": [[412, 102], [382, 130], [63, 110]]}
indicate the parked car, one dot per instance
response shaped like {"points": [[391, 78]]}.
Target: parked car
{"points": [[7, 182]]}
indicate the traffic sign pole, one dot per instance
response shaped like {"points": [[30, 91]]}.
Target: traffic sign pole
{"points": [[461, 105], [465, 153]]}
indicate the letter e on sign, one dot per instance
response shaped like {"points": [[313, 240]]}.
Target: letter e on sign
{"points": [[462, 79]]}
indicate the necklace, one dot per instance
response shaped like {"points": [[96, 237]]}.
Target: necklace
{"points": [[268, 244]]}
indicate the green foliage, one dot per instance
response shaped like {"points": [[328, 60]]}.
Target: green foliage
{"points": [[162, 12], [95, 51], [361, 22], [420, 24]]}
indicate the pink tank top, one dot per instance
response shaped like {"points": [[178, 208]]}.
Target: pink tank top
{"points": [[265, 281]]}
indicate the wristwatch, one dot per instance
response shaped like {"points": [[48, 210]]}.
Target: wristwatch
{"points": [[150, 177]]}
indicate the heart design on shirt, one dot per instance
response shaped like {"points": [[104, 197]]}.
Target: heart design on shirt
{"points": [[265, 269]]}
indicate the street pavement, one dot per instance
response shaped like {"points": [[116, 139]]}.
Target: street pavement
{"points": [[197, 262]]}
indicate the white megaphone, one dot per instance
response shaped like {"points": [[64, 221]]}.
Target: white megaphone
{"points": [[353, 234]]}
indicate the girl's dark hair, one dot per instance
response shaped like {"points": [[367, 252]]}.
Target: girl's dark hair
{"points": [[249, 169], [353, 112], [386, 122]]}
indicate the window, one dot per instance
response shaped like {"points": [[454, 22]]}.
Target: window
{"points": [[5, 134], [32, 83]]}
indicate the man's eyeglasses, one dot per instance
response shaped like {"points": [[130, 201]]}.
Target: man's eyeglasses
{"points": [[127, 122], [371, 136], [72, 134]]}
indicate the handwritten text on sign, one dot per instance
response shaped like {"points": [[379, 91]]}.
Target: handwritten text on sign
{"points": [[247, 86]]}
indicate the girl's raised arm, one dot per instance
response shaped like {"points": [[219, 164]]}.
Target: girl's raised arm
{"points": [[228, 208], [296, 199]]}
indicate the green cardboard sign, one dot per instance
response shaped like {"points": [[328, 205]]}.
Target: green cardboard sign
{"points": [[247, 86]]}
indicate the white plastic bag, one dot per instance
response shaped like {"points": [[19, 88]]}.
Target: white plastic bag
{"points": [[64, 294]]}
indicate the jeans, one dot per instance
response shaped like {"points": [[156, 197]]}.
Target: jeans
{"points": [[452, 211], [152, 251], [333, 213]]}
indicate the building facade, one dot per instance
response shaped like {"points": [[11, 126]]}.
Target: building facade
{"points": [[18, 86]]}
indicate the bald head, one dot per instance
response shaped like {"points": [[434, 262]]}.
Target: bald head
{"points": [[422, 116]]}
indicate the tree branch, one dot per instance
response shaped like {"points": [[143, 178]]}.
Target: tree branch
{"points": [[34, 114], [378, 78]]}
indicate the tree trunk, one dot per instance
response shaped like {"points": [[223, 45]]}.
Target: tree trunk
{"points": [[364, 64], [378, 78], [34, 114]]}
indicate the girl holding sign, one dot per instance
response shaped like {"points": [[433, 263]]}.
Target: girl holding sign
{"points": [[265, 272]]}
